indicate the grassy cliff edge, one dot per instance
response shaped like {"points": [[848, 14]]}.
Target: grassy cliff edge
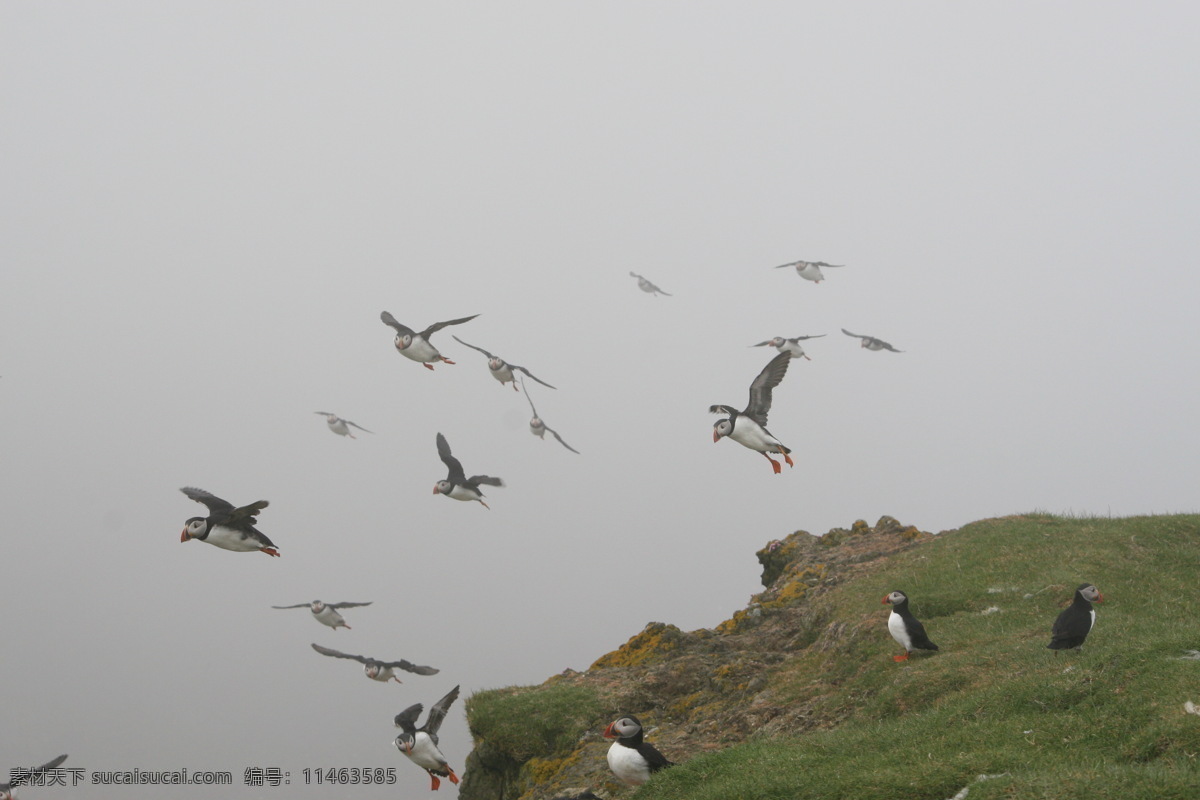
{"points": [[796, 695]]}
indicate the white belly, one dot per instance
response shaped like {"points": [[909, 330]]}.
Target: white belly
{"points": [[230, 539], [898, 631], [811, 272], [749, 433], [425, 753], [793, 349], [339, 427], [627, 764], [504, 374], [421, 350], [460, 492], [330, 617]]}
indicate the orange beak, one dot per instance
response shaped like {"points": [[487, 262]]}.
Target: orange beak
{"points": [[436, 490], [608, 732], [183, 537], [716, 436], [1099, 597], [885, 599]]}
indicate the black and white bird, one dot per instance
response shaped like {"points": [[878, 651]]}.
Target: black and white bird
{"points": [[417, 345], [457, 485], [225, 526], [647, 286], [1076, 620], [789, 346], [420, 745], [871, 343], [749, 427], [630, 758], [341, 426], [906, 629], [326, 613], [376, 670], [20, 777], [503, 370], [809, 270], [538, 427]]}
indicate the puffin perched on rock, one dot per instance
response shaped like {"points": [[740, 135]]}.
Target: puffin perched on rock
{"points": [[420, 745], [1076, 620], [906, 629], [225, 526], [630, 758]]}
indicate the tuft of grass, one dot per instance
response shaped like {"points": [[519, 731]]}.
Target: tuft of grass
{"points": [[519, 723]]}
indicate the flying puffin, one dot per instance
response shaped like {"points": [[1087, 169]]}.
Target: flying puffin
{"points": [[906, 629], [420, 745], [226, 527], [539, 428], [871, 343], [457, 485], [503, 370], [1076, 620], [631, 759], [791, 346], [326, 613], [376, 670], [20, 777], [647, 286], [339, 425], [417, 345], [749, 428], [809, 270]]}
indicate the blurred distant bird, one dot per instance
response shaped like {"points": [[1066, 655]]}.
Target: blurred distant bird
{"points": [[376, 670], [539, 428], [630, 758], [417, 345], [749, 428], [20, 777], [339, 425], [906, 629], [871, 343], [503, 370], [791, 346], [420, 745], [809, 270], [647, 286], [326, 613], [1075, 622], [457, 485], [226, 527]]}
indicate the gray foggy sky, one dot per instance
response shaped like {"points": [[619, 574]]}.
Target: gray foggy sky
{"points": [[207, 205]]}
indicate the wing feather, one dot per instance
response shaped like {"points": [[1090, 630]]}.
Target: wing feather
{"points": [[214, 504], [437, 326], [760, 389], [473, 347], [388, 319], [328, 651], [453, 464], [438, 713]]}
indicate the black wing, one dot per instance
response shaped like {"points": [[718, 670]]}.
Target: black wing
{"points": [[214, 504], [326, 651], [298, 605], [535, 377], [855, 335], [560, 439], [388, 319], [486, 480], [473, 347], [453, 464], [408, 666], [789, 264], [919, 637], [437, 326], [887, 346], [654, 759], [438, 713], [760, 389], [823, 264], [406, 720], [356, 425], [802, 338], [527, 397], [346, 605], [767, 342], [723, 410]]}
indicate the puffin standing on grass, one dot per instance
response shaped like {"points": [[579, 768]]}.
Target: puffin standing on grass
{"points": [[906, 629], [225, 526], [503, 370], [417, 345], [376, 670], [749, 428], [1076, 620], [630, 758], [20, 777], [420, 745], [326, 613], [457, 485]]}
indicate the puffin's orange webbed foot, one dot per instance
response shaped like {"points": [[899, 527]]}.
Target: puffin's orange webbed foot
{"points": [[427, 365], [900, 658], [434, 783], [271, 551]]}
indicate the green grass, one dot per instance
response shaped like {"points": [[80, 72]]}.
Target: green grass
{"points": [[1104, 722], [519, 723]]}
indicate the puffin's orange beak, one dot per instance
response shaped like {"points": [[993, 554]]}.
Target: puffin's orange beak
{"points": [[183, 537], [716, 436], [436, 490], [1099, 597], [885, 597], [608, 732]]}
